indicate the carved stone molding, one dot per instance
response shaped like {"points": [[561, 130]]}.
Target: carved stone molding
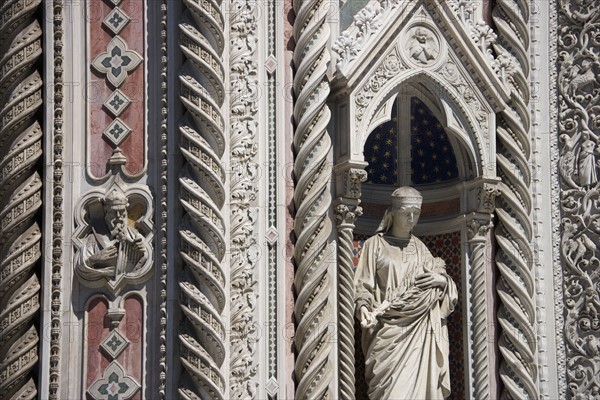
{"points": [[387, 69], [243, 71], [21, 94], [312, 201], [58, 211], [579, 130], [202, 196], [162, 204]]}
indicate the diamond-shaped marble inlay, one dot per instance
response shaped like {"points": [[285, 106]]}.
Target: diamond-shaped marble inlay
{"points": [[272, 386], [114, 384], [117, 61], [116, 20], [271, 64], [116, 2], [117, 102], [271, 235], [117, 131], [114, 344]]}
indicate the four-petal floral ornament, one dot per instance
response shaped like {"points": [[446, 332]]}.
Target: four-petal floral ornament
{"points": [[114, 384], [117, 61]]}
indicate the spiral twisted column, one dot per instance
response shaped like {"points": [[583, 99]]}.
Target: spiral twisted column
{"points": [[202, 196], [347, 210], [476, 232], [514, 259], [346, 217], [243, 71], [20, 196], [312, 200]]}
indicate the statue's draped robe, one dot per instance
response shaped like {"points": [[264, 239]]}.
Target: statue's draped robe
{"points": [[406, 353], [97, 241]]}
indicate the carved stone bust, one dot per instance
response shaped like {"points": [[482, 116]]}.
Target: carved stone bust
{"points": [[113, 246], [403, 297]]}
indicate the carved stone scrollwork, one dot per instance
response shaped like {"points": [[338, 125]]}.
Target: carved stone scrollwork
{"points": [[244, 148], [114, 236], [486, 198], [312, 200], [367, 23], [579, 129], [21, 95], [353, 179]]}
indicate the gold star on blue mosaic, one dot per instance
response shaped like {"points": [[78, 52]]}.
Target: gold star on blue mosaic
{"points": [[432, 158], [381, 152]]}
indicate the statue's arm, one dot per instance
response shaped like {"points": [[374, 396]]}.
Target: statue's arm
{"points": [[364, 278], [449, 296]]}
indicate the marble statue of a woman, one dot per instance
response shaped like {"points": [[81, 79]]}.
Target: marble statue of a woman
{"points": [[403, 297]]}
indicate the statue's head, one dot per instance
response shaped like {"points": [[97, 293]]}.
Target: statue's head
{"points": [[420, 35], [404, 212], [115, 210]]}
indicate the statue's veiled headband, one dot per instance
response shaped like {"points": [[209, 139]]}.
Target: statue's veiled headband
{"points": [[403, 197]]}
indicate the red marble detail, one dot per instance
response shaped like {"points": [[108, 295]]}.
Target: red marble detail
{"points": [[448, 247], [99, 89], [97, 329], [132, 327]]}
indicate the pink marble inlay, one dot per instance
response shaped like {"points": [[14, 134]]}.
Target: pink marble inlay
{"points": [[97, 329], [98, 89]]}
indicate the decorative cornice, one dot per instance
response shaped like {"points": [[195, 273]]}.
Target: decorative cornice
{"points": [[243, 71], [312, 200], [21, 97]]}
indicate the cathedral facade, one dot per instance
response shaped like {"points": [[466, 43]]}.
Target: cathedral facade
{"points": [[186, 187]]}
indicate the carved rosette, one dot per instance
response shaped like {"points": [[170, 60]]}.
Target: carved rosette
{"points": [[312, 200], [21, 91], [476, 233], [346, 212], [514, 258], [243, 105], [202, 196], [579, 129]]}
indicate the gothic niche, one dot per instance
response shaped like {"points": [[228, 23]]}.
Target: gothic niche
{"points": [[113, 236], [412, 148]]}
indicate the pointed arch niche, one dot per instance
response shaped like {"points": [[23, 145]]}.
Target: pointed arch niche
{"points": [[375, 101]]}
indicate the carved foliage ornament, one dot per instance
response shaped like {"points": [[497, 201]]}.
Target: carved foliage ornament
{"points": [[579, 125], [113, 236]]}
